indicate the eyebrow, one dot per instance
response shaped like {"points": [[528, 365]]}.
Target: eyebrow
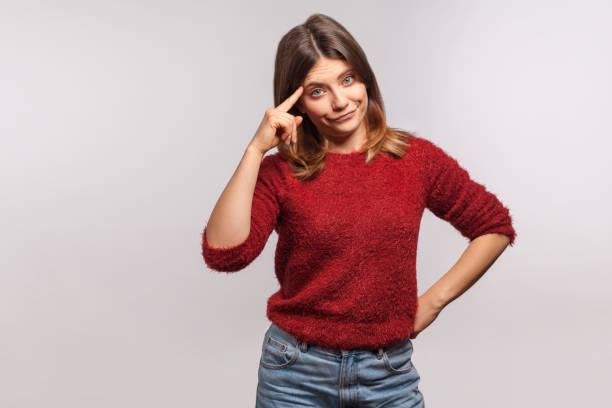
{"points": [[320, 84]]}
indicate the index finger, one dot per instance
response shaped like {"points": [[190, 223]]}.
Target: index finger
{"points": [[291, 100]]}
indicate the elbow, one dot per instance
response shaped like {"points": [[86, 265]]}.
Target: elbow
{"points": [[505, 237], [228, 259], [225, 259], [224, 266], [498, 222], [507, 233]]}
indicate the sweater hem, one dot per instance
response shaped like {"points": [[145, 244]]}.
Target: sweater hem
{"points": [[344, 336]]}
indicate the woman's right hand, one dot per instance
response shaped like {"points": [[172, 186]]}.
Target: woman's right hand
{"points": [[278, 126]]}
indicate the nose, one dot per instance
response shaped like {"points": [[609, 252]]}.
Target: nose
{"points": [[339, 101]]}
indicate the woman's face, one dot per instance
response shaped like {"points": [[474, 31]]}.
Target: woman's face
{"points": [[331, 90]]}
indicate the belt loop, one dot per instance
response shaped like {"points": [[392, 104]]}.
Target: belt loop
{"points": [[303, 346], [380, 353]]}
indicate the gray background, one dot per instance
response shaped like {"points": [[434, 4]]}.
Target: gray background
{"points": [[122, 122]]}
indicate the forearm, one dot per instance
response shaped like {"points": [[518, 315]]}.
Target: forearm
{"points": [[478, 257], [230, 221]]}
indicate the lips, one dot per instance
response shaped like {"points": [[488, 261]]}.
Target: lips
{"points": [[344, 116]]}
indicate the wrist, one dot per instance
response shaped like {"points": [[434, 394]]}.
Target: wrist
{"points": [[251, 148], [436, 299]]}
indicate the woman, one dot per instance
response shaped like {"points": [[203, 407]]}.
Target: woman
{"points": [[346, 195]]}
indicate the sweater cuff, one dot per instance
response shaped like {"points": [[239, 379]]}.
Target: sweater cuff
{"points": [[507, 230], [224, 259]]}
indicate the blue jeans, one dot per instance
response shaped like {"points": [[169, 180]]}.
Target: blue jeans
{"points": [[293, 373]]}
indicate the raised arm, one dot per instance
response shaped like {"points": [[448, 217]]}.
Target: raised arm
{"points": [[247, 210], [242, 218]]}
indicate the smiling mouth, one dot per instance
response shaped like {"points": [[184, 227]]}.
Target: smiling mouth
{"points": [[344, 116]]}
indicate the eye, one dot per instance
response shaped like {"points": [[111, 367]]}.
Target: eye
{"points": [[312, 93], [348, 76]]}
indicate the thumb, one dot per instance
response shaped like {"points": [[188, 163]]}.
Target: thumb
{"points": [[299, 120]]}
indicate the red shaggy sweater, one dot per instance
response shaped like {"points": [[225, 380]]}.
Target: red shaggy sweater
{"points": [[347, 240]]}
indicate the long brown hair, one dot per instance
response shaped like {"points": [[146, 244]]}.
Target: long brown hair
{"points": [[321, 36]]}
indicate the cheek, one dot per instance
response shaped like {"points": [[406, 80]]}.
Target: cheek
{"points": [[360, 93], [315, 109]]}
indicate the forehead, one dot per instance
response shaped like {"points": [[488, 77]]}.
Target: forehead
{"points": [[326, 70]]}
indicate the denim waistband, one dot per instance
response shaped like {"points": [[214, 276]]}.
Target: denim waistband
{"points": [[303, 346]]}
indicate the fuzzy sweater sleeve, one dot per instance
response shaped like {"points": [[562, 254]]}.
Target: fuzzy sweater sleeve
{"points": [[453, 196], [265, 210]]}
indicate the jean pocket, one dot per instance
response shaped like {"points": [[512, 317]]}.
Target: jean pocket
{"points": [[398, 358], [278, 353]]}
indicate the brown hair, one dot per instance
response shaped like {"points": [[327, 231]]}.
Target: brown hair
{"points": [[321, 36]]}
